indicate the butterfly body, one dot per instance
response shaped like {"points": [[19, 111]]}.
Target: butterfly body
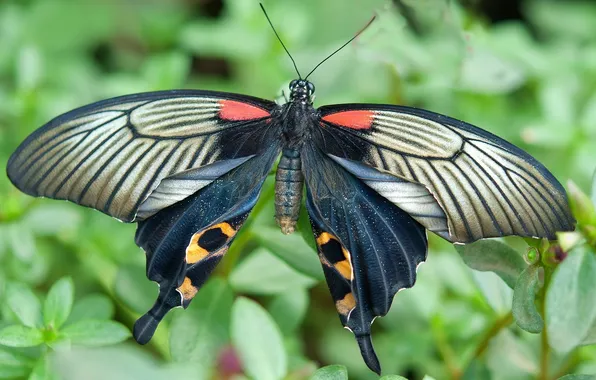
{"points": [[296, 118], [188, 167]]}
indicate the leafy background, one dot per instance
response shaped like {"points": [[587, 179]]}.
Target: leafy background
{"points": [[72, 281]]}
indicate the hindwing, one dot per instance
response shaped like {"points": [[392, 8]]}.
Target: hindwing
{"points": [[369, 248], [184, 242]]}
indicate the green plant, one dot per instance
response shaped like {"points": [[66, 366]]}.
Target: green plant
{"points": [[39, 328]]}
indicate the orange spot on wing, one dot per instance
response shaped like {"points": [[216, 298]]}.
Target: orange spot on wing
{"points": [[345, 269], [226, 229], [187, 289], [345, 305], [324, 238], [194, 252], [234, 111], [351, 119]]}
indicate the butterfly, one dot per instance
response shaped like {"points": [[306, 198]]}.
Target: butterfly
{"points": [[188, 165]]}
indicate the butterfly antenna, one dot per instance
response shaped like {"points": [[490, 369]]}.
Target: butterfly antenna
{"points": [[280, 41], [343, 46]]}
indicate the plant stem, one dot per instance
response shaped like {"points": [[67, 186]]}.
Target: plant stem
{"points": [[544, 355], [445, 349], [490, 333], [568, 366], [544, 347], [495, 329]]}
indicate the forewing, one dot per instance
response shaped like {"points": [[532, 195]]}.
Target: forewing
{"points": [[370, 249], [111, 155], [482, 185], [184, 242]]}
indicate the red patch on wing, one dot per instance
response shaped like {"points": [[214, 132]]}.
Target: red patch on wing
{"points": [[351, 119], [233, 110]]}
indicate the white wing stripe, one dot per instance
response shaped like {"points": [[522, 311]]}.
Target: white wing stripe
{"points": [[111, 155]]}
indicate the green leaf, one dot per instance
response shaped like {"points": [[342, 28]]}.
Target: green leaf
{"points": [[93, 306], [264, 273], [58, 303], [496, 292], [292, 249], [13, 365], [258, 341], [133, 289], [494, 256], [569, 239], [21, 241], [167, 70], [593, 192], [24, 304], [95, 333], [524, 295], [393, 377], [121, 362], [570, 306], [509, 357], [20, 336], [43, 370], [573, 20], [581, 205], [11, 372], [477, 369], [50, 219], [590, 337], [486, 72], [577, 377], [288, 309], [199, 332], [331, 372]]}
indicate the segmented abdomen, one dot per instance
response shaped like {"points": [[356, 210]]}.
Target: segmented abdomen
{"points": [[288, 190]]}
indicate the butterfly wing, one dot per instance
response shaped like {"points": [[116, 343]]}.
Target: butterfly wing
{"points": [[184, 242], [370, 249], [457, 180], [113, 154]]}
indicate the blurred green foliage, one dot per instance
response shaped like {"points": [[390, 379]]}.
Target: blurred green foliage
{"points": [[72, 279]]}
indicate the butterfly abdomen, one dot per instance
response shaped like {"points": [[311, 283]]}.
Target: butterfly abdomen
{"points": [[288, 190]]}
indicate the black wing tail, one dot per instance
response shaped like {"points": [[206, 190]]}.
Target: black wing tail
{"points": [[370, 249], [185, 242]]}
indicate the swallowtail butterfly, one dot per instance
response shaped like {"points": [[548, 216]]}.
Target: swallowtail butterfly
{"points": [[187, 166]]}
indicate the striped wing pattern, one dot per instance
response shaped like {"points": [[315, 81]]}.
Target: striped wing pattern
{"points": [[413, 198], [485, 186], [112, 154], [182, 185]]}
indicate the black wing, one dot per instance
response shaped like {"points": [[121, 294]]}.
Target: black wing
{"points": [[370, 249], [184, 242], [455, 179], [113, 154]]}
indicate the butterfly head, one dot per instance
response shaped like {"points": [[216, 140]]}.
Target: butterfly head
{"points": [[302, 90]]}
